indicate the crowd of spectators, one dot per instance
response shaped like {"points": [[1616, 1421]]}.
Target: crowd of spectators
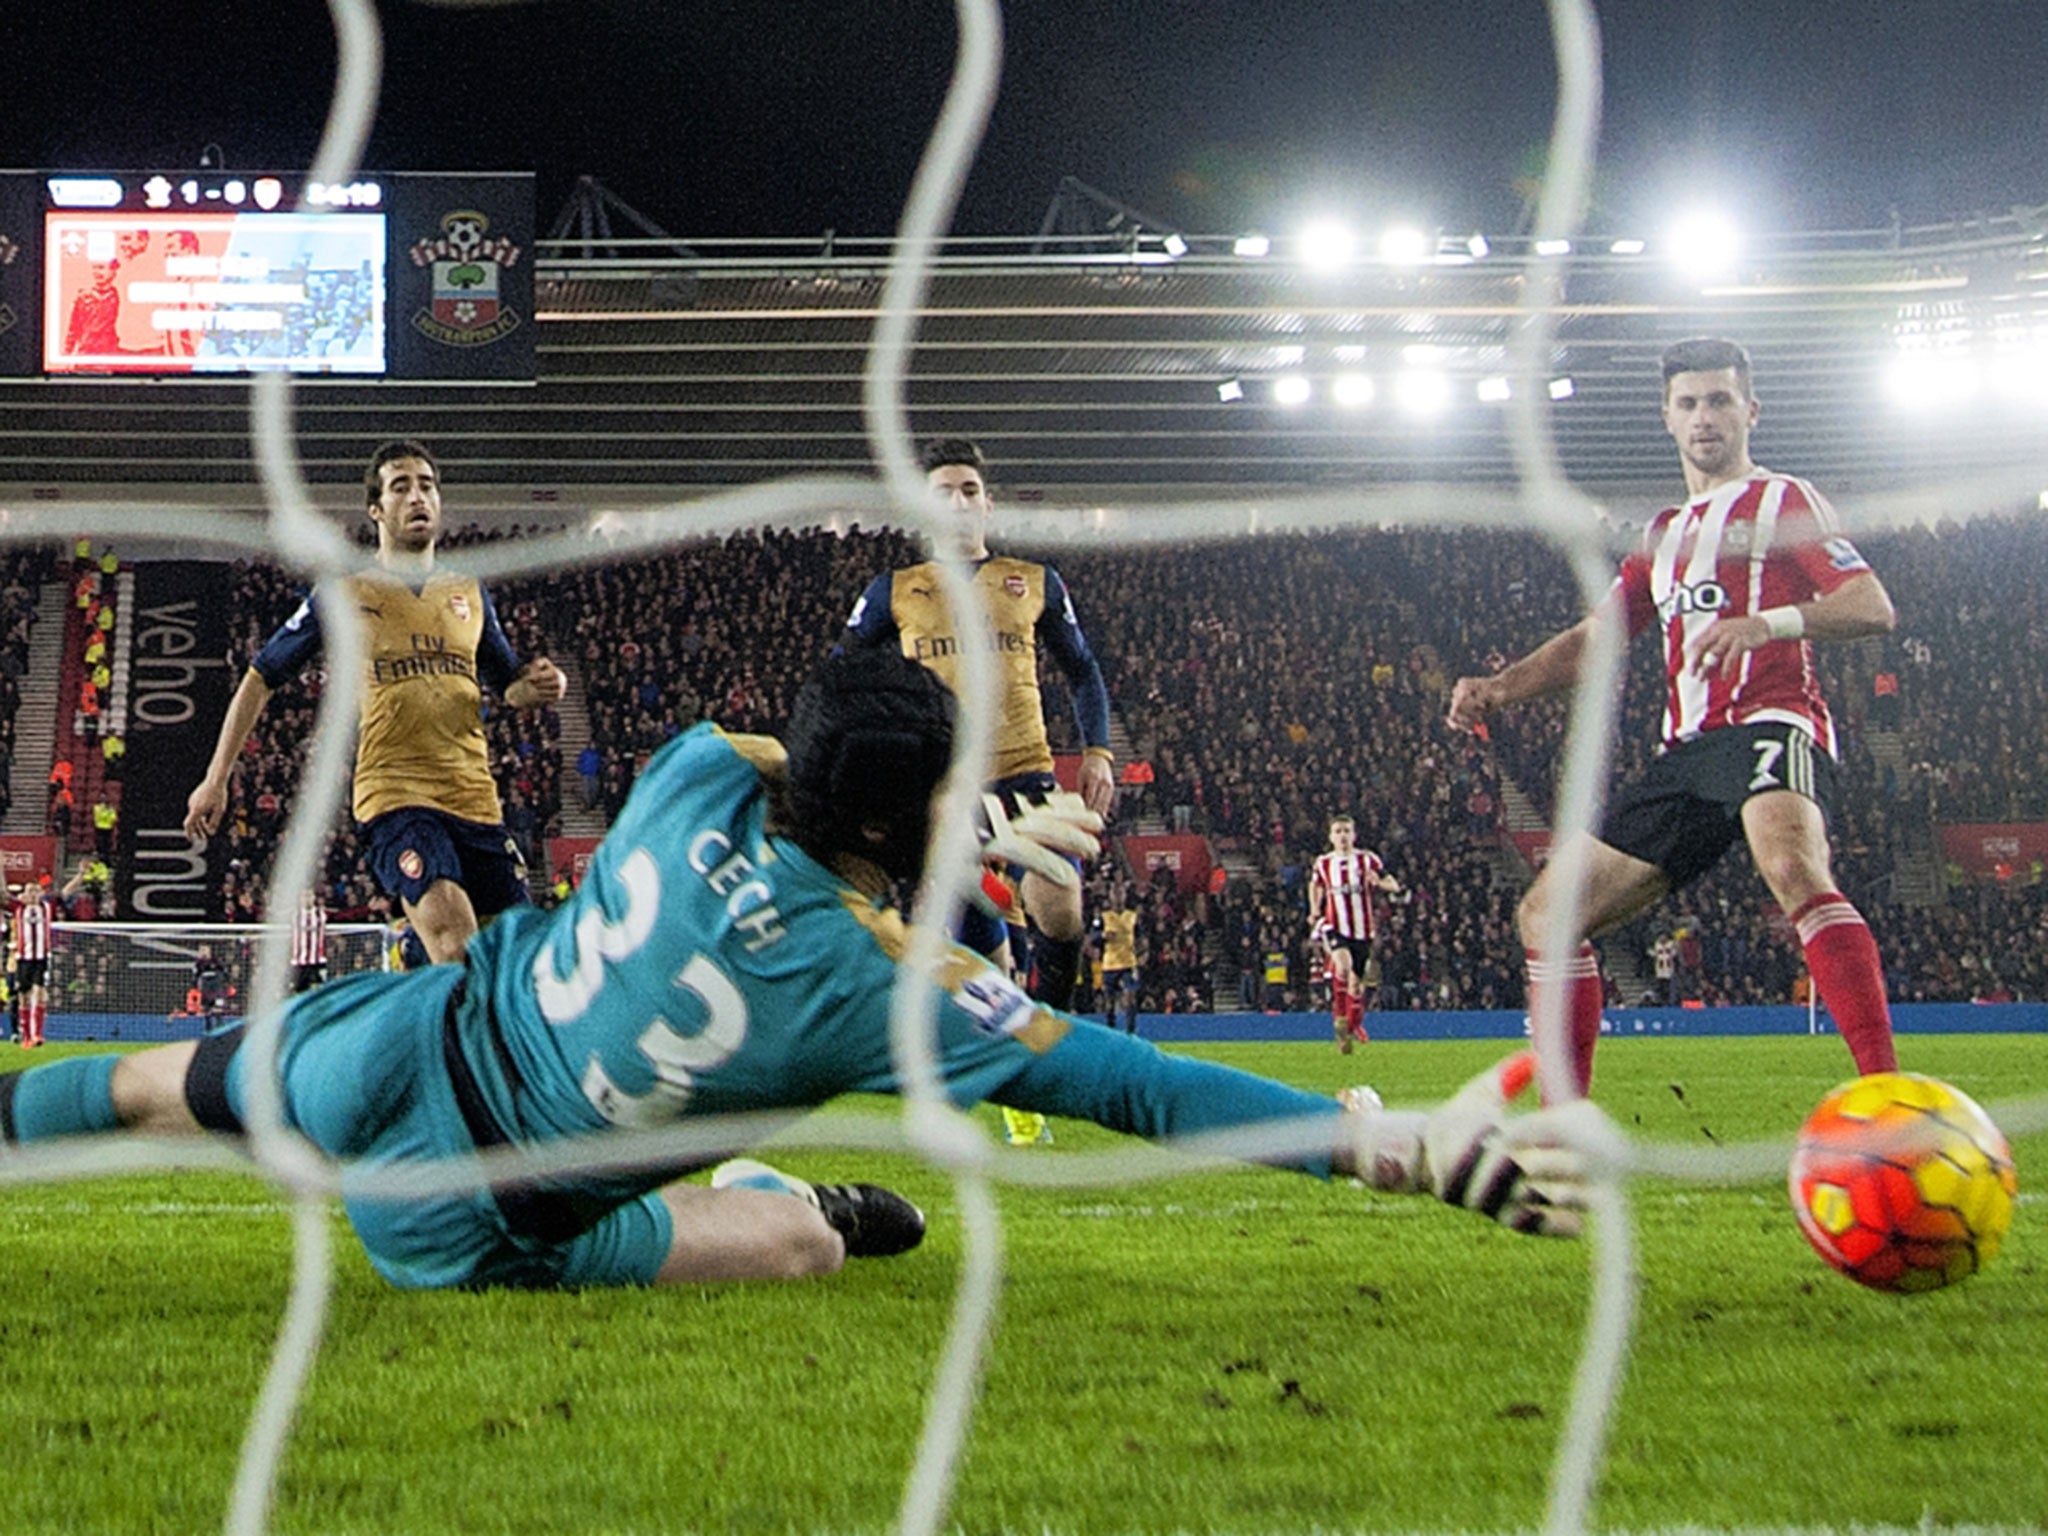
{"points": [[23, 571], [1307, 675], [1277, 689], [721, 631], [1301, 677]]}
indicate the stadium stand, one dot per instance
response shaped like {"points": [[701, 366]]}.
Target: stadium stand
{"points": [[1308, 677]]}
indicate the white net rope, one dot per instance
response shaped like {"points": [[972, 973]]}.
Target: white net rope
{"points": [[294, 533]]}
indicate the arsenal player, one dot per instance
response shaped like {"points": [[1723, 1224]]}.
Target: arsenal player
{"points": [[1031, 613], [429, 815], [1740, 580]]}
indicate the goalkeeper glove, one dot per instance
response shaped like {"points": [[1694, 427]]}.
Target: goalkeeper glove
{"points": [[1465, 1153], [1042, 835]]}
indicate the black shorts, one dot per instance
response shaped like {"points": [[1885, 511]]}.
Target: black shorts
{"points": [[1683, 813], [307, 977], [31, 973], [1360, 951]]}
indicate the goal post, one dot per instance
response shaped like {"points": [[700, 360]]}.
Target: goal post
{"points": [[152, 982]]}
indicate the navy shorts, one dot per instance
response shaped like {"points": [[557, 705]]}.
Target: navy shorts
{"points": [[412, 847], [1686, 810], [978, 931]]}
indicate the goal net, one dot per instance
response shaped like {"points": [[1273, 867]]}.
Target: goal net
{"points": [[164, 981], [136, 982]]}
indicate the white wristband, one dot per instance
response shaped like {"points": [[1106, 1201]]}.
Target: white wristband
{"points": [[1787, 623]]}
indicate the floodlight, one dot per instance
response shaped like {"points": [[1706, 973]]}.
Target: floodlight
{"points": [[1176, 246], [1627, 248], [1950, 378], [1495, 390], [1553, 247], [1251, 245], [1562, 389], [1704, 242], [1291, 389], [1422, 391], [1404, 246], [1229, 390], [1922, 380], [2020, 376], [1478, 247], [1325, 244], [1353, 389]]}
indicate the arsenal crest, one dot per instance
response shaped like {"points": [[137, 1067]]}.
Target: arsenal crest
{"points": [[410, 864], [465, 310], [1014, 585], [458, 604]]}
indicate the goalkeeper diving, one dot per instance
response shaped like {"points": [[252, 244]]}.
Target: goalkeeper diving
{"points": [[731, 949]]}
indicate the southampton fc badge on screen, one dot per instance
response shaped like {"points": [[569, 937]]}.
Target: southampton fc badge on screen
{"points": [[462, 292], [466, 309]]}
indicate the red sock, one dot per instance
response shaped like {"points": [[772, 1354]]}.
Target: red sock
{"points": [[1849, 977], [1340, 1003], [32, 1021], [1580, 975]]}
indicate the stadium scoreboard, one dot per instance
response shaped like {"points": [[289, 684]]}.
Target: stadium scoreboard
{"points": [[166, 274]]}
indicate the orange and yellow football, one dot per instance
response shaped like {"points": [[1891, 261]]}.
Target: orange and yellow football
{"points": [[1903, 1183]]}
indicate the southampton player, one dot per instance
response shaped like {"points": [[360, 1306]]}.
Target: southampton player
{"points": [[432, 827], [1341, 884], [1739, 580], [731, 950], [29, 958], [1029, 607], [309, 943]]}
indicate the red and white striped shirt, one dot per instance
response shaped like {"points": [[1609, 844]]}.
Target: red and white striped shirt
{"points": [[1345, 882], [309, 936], [32, 930], [1764, 542]]}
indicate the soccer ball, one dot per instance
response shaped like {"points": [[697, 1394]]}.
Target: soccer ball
{"points": [[1902, 1183]]}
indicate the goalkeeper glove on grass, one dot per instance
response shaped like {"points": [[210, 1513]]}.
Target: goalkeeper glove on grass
{"points": [[1467, 1152]]}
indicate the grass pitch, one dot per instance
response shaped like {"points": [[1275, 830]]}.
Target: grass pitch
{"points": [[1246, 1352]]}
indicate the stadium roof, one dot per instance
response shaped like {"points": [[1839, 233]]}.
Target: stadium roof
{"points": [[1101, 369]]}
